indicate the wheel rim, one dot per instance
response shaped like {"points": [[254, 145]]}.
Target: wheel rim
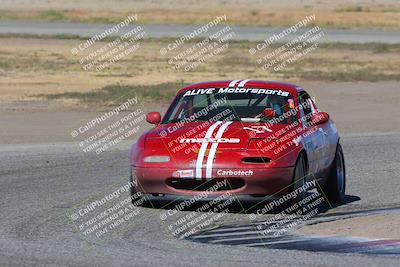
{"points": [[340, 172]]}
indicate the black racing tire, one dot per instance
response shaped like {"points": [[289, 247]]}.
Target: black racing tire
{"points": [[134, 198], [132, 189], [299, 180], [335, 188]]}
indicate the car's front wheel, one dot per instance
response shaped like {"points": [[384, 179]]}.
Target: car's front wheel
{"points": [[299, 180], [137, 198], [334, 189]]}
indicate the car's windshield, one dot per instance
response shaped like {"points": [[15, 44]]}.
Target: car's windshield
{"points": [[241, 104]]}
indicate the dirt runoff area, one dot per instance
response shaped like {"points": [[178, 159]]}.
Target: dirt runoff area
{"points": [[356, 107], [373, 226]]}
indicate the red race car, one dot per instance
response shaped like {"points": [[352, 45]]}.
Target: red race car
{"points": [[247, 137]]}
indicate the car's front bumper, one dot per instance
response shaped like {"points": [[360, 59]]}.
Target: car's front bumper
{"points": [[156, 182]]}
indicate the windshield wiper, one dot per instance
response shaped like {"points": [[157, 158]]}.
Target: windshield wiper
{"points": [[236, 119]]}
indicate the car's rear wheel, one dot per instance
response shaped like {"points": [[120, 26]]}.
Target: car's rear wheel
{"points": [[334, 189]]}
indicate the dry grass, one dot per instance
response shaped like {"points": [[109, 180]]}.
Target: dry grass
{"points": [[341, 17], [30, 67]]}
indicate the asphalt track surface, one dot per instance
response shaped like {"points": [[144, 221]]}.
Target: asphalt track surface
{"points": [[40, 183], [279, 234], [252, 33]]}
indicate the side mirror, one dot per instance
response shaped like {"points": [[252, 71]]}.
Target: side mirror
{"points": [[319, 118], [153, 117], [269, 113]]}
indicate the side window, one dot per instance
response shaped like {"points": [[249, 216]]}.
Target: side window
{"points": [[184, 109], [308, 108]]}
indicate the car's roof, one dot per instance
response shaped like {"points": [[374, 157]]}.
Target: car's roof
{"points": [[292, 88]]}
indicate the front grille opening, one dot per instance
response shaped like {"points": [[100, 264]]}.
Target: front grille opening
{"points": [[256, 160], [203, 185]]}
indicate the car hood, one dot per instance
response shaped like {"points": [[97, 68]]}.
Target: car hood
{"points": [[228, 135]]}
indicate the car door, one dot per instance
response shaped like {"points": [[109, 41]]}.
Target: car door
{"points": [[313, 137], [327, 130]]}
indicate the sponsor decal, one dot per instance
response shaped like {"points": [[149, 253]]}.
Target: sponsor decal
{"points": [[183, 174], [229, 90], [200, 156], [235, 172], [205, 91], [213, 150], [207, 152], [214, 147], [258, 129], [210, 140]]}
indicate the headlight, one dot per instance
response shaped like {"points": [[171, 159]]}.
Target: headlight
{"points": [[156, 159]]}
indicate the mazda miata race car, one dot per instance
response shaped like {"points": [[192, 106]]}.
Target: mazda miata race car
{"points": [[254, 139]]}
